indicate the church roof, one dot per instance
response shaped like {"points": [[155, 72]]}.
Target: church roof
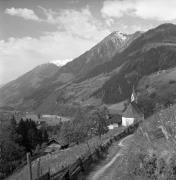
{"points": [[132, 111]]}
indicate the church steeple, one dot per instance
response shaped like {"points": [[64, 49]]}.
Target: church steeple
{"points": [[134, 96]]}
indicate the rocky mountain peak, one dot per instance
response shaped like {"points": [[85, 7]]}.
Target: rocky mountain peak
{"points": [[119, 35]]}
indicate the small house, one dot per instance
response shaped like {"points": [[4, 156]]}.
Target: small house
{"points": [[132, 114], [115, 113], [113, 126], [52, 146]]}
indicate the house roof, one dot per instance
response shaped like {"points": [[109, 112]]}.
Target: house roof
{"points": [[132, 111], [115, 118], [52, 141]]}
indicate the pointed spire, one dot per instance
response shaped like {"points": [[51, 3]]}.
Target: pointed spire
{"points": [[133, 96]]}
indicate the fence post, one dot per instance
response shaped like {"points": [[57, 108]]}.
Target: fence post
{"points": [[29, 166], [67, 176], [49, 175], [38, 168], [81, 164]]}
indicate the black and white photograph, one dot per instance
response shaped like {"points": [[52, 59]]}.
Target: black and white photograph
{"points": [[87, 89]]}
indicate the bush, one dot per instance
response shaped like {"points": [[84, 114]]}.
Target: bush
{"points": [[154, 168], [147, 105]]}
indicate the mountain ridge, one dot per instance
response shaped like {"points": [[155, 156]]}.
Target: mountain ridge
{"points": [[107, 80], [23, 85], [139, 62]]}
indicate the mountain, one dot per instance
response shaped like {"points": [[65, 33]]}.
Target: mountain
{"points": [[13, 93], [103, 52], [60, 62], [159, 86], [104, 74], [73, 90], [153, 51], [30, 90]]}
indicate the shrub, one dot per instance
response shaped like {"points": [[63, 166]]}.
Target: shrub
{"points": [[147, 105]]}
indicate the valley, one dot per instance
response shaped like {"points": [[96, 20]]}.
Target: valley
{"points": [[59, 114], [104, 82]]}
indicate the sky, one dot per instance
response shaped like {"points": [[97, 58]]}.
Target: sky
{"points": [[34, 32]]}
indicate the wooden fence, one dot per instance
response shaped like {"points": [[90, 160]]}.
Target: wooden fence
{"points": [[82, 164]]}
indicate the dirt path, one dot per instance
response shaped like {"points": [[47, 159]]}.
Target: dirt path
{"points": [[108, 171]]}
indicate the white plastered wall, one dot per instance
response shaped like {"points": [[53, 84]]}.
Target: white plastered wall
{"points": [[127, 121]]}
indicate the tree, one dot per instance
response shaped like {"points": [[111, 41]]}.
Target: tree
{"points": [[147, 105], [31, 136], [65, 133], [15, 141], [84, 126], [99, 118], [77, 130], [45, 136], [10, 152], [13, 122]]}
